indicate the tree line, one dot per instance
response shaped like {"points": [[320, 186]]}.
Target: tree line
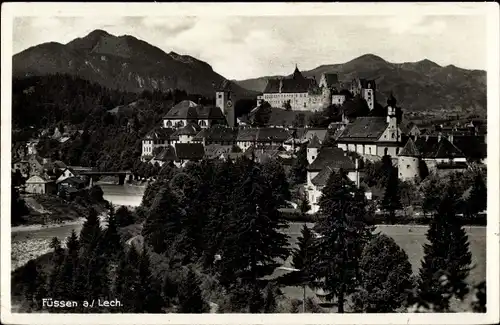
{"points": [[212, 232]]}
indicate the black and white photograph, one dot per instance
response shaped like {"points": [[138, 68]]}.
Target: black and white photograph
{"points": [[266, 160]]}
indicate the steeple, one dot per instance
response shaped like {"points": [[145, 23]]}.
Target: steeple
{"points": [[296, 73], [391, 101]]}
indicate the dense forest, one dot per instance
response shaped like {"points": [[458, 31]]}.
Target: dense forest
{"points": [[211, 234]]}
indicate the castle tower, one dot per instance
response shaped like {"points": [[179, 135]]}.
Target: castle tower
{"points": [[313, 149], [225, 100], [327, 97], [409, 162], [392, 116], [369, 94]]}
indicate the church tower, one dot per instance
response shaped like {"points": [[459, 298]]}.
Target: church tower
{"points": [[225, 100], [393, 118]]}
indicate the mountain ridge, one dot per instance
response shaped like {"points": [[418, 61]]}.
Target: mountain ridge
{"points": [[121, 62]]}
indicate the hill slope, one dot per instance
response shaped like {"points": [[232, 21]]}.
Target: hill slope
{"points": [[418, 86], [122, 62]]}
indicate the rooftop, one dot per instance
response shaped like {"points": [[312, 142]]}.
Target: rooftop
{"points": [[333, 157], [190, 110]]}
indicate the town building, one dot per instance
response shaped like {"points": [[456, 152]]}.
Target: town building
{"points": [[187, 111], [180, 154], [437, 154], [38, 184], [225, 100], [365, 89], [267, 136], [326, 161], [156, 138], [374, 136], [217, 134]]}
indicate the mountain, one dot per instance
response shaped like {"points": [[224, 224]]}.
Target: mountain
{"points": [[121, 62], [418, 86]]}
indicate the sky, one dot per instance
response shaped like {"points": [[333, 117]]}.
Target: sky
{"points": [[241, 47]]}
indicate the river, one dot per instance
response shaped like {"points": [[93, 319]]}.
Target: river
{"points": [[32, 241]]}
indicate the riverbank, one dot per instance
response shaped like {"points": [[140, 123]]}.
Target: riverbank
{"points": [[37, 227]]}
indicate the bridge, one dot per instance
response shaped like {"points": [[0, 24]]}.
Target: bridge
{"points": [[94, 175]]}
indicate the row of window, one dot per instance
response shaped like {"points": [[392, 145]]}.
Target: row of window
{"points": [[285, 95]]}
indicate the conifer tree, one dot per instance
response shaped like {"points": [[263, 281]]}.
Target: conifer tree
{"points": [[218, 210], [163, 222], [113, 246], [149, 298], [96, 272], [447, 257], [478, 196], [123, 217], [64, 283], [275, 174], [386, 275], [302, 258], [299, 168], [127, 284], [190, 296], [392, 197], [270, 300], [335, 265], [35, 285], [91, 231], [254, 240]]}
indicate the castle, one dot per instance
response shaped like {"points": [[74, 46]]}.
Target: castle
{"points": [[300, 93]]}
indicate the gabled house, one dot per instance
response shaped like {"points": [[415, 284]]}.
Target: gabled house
{"points": [[66, 173], [187, 152], [180, 154], [70, 184], [156, 138], [186, 133], [328, 160], [262, 137], [436, 152], [373, 136], [40, 185], [217, 134], [188, 111]]}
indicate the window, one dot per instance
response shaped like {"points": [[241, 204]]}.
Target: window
{"points": [[312, 157], [392, 135], [407, 166], [220, 95]]}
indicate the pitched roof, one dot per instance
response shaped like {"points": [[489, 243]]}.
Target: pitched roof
{"points": [[333, 157], [364, 129], [314, 142], [471, 146], [160, 133], [190, 129], [331, 79], [187, 109], [213, 151], [320, 134], [217, 133], [432, 147], [189, 151], [410, 149], [297, 83], [263, 135], [73, 181], [167, 154], [37, 179]]}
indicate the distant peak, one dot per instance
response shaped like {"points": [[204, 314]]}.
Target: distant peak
{"points": [[371, 57], [428, 62], [99, 32]]}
